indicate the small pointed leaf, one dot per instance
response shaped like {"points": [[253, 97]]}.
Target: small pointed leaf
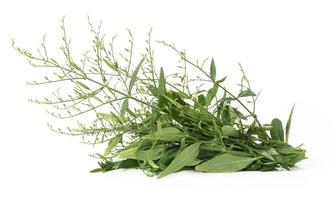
{"points": [[213, 70], [112, 143], [124, 107], [135, 76], [113, 66], [246, 93], [83, 85], [288, 124], [111, 117], [211, 94], [162, 83]]}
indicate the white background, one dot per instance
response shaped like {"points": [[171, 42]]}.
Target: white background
{"points": [[288, 49]]}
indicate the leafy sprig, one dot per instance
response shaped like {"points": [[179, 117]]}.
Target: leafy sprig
{"points": [[160, 123]]}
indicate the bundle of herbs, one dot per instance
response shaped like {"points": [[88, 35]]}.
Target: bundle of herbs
{"points": [[160, 123]]}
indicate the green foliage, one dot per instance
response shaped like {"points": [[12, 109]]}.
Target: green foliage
{"points": [[246, 93], [289, 121], [277, 132], [134, 76], [226, 163], [111, 144], [186, 157], [158, 122], [213, 70]]}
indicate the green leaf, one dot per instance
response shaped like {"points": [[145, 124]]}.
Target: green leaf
{"points": [[277, 132], [113, 66], [229, 131], [211, 94], [137, 153], [194, 163], [167, 158], [97, 170], [267, 153], [75, 66], [124, 108], [108, 165], [225, 163], [111, 117], [83, 85], [168, 134], [201, 99], [259, 131], [112, 143], [128, 153], [246, 93], [182, 95], [288, 124], [213, 70], [186, 157], [175, 103], [229, 114], [128, 163], [134, 76], [151, 154], [162, 83], [286, 150], [107, 116], [221, 80]]}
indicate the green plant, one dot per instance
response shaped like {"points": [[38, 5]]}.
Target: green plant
{"points": [[157, 122]]}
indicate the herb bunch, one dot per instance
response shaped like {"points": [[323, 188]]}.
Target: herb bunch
{"points": [[160, 123]]}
